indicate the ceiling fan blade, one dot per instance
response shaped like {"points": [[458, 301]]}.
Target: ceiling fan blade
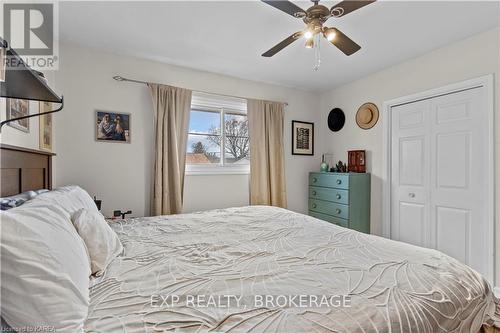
{"points": [[344, 43], [281, 45], [348, 6], [287, 7]]}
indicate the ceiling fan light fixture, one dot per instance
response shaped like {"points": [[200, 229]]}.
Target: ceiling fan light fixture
{"points": [[309, 43], [315, 17], [330, 34]]}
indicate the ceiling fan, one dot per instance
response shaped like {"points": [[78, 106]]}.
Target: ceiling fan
{"points": [[314, 17]]}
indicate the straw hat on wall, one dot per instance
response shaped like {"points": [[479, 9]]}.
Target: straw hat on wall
{"points": [[367, 116]]}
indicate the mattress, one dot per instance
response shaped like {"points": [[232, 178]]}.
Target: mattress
{"points": [[263, 269]]}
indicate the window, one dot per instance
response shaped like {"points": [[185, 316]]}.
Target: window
{"points": [[218, 139]]}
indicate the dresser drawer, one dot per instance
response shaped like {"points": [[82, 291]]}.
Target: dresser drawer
{"points": [[331, 219], [329, 180], [329, 208], [329, 194]]}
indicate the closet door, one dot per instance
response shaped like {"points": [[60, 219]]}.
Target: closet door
{"points": [[439, 175], [459, 172], [410, 173]]}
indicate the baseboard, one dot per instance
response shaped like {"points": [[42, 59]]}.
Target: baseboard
{"points": [[496, 291]]}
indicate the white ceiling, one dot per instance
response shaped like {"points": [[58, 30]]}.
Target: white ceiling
{"points": [[228, 37]]}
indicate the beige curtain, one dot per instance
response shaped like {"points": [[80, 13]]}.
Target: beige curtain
{"points": [[267, 167], [171, 121]]}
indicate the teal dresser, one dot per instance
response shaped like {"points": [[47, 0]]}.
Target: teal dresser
{"points": [[341, 198]]}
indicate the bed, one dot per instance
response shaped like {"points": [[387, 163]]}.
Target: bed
{"points": [[266, 269], [248, 251]]}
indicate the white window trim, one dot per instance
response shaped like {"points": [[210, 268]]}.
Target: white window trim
{"points": [[193, 170], [222, 105]]}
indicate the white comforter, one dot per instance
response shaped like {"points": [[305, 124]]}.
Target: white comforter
{"points": [[382, 285]]}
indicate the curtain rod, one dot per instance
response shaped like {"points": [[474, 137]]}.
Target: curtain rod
{"points": [[121, 79]]}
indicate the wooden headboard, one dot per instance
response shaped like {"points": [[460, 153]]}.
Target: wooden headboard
{"points": [[24, 169]]}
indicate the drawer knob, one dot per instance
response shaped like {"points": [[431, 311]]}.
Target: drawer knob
{"points": [[411, 195], [338, 196], [339, 181], [337, 211], [315, 180], [313, 192], [313, 205]]}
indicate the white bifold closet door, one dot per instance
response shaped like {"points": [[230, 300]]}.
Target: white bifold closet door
{"points": [[439, 173]]}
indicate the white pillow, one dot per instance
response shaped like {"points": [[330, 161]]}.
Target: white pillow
{"points": [[45, 269], [102, 242], [70, 198]]}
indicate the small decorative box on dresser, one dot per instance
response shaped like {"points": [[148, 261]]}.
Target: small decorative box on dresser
{"points": [[341, 198]]}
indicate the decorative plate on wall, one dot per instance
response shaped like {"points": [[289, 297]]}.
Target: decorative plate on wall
{"points": [[336, 120]]}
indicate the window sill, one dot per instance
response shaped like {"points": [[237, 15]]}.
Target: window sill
{"points": [[192, 170]]}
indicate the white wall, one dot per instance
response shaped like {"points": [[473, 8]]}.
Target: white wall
{"points": [[476, 56], [215, 191], [120, 173]]}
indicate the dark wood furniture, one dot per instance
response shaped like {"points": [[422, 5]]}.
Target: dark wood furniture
{"points": [[356, 161], [23, 169]]}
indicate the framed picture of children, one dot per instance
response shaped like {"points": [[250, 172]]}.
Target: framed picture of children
{"points": [[112, 127]]}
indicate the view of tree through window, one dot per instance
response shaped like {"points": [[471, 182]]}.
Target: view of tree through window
{"points": [[218, 137]]}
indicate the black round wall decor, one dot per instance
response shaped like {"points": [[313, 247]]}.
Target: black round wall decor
{"points": [[336, 120]]}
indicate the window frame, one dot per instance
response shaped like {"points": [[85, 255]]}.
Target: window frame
{"points": [[222, 167]]}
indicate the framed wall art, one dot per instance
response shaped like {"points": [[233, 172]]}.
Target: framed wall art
{"points": [[18, 108], [112, 127], [302, 138], [45, 135]]}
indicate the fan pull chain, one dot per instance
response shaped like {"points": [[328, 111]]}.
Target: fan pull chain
{"points": [[317, 54]]}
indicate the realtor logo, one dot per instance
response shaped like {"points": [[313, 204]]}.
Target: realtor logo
{"points": [[30, 29]]}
